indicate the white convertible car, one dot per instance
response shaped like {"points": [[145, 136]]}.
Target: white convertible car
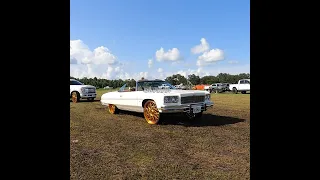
{"points": [[152, 101]]}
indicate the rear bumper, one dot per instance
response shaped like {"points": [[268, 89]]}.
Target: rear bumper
{"points": [[185, 107]]}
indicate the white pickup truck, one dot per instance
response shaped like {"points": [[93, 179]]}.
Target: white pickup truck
{"points": [[79, 90], [243, 86]]}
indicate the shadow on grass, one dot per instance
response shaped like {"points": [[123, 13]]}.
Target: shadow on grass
{"points": [[183, 120]]}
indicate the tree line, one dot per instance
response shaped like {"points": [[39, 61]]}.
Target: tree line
{"points": [[175, 79]]}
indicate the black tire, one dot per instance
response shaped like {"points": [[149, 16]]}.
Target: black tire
{"points": [[234, 90], [91, 99], [113, 109]]}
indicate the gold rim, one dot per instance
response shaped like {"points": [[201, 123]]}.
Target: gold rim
{"points": [[151, 112], [74, 97], [112, 108]]}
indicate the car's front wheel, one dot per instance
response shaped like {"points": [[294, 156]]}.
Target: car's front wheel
{"points": [[151, 112], [75, 96], [113, 109]]}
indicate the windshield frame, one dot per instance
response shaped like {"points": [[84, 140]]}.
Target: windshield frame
{"points": [[76, 81], [140, 87]]}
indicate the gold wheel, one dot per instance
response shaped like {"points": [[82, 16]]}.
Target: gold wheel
{"points": [[74, 97], [112, 109], [151, 112]]}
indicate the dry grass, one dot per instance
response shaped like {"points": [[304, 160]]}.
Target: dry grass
{"points": [[124, 146]]}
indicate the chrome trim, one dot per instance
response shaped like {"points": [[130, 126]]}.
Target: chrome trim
{"points": [[184, 107]]}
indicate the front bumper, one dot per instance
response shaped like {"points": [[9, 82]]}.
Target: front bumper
{"points": [[88, 95], [183, 108]]}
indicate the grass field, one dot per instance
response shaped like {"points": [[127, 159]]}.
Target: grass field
{"points": [[124, 146]]}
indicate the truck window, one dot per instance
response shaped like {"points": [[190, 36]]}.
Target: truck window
{"points": [[242, 82]]}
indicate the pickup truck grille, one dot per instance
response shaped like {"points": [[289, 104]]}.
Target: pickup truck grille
{"points": [[91, 90], [192, 99]]}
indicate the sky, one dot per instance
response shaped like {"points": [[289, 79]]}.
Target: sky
{"points": [[125, 39]]}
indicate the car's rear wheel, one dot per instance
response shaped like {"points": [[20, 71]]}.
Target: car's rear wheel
{"points": [[75, 96], [113, 109], [151, 112]]}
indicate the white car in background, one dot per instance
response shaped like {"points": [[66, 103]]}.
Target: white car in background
{"points": [[243, 86], [152, 101], [80, 91]]}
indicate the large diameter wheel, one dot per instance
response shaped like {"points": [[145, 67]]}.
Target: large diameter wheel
{"points": [[151, 112], [113, 109], [75, 97]]}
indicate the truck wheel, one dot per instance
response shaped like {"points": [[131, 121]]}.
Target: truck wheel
{"points": [[151, 112], [75, 96], [234, 90], [113, 109]]}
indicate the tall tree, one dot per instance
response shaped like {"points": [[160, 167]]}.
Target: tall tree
{"points": [[194, 79]]}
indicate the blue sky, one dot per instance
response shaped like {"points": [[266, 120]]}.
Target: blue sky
{"points": [[133, 30]]}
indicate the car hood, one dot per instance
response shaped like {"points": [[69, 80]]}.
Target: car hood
{"points": [[186, 92], [86, 86]]}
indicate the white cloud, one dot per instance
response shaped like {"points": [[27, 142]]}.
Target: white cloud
{"points": [[100, 62], [150, 62], [202, 47], [73, 60], [81, 53], [160, 70], [171, 55], [210, 57], [233, 62]]}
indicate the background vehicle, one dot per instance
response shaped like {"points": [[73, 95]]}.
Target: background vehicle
{"points": [[218, 87], [80, 91], [243, 86], [226, 85], [164, 86]]}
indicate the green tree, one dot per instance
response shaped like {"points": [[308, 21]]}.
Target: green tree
{"points": [[194, 79]]}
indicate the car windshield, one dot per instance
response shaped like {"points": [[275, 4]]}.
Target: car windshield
{"points": [[144, 85], [75, 82]]}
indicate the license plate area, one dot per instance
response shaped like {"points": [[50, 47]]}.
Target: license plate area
{"points": [[196, 109]]}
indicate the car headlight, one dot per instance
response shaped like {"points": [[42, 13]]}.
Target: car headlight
{"points": [[171, 99], [208, 96], [84, 90]]}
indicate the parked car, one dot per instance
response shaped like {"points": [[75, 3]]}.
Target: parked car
{"points": [[243, 86], [152, 101], [219, 87], [226, 86], [180, 86], [164, 86], [80, 91], [208, 88]]}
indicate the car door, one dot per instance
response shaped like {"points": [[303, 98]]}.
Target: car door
{"points": [[241, 85], [246, 85], [129, 98]]}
